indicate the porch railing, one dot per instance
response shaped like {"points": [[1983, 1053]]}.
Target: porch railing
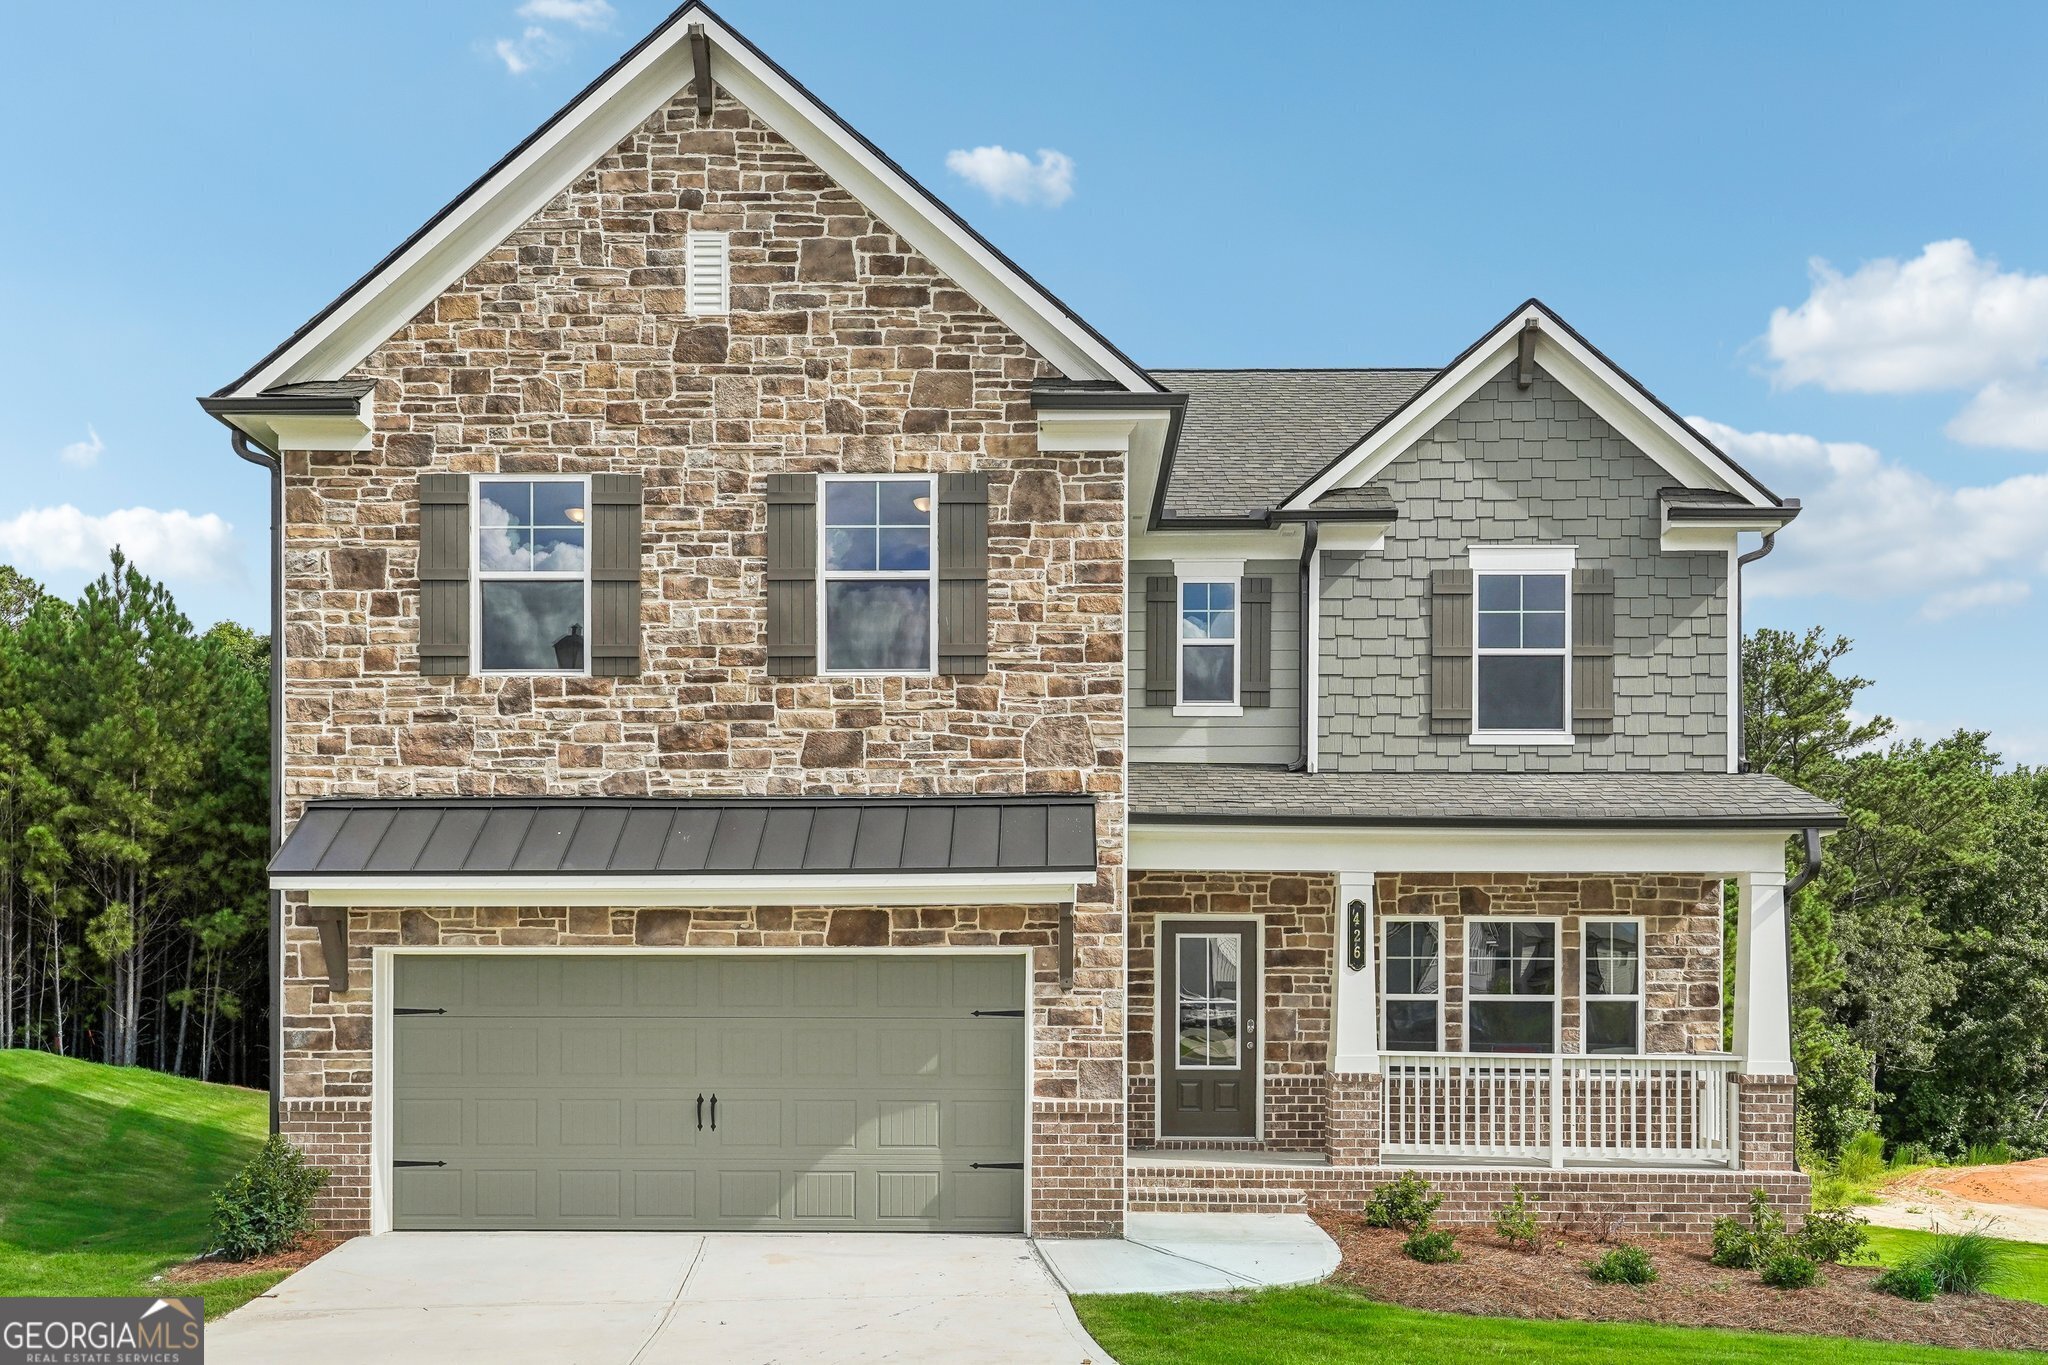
{"points": [[1559, 1109]]}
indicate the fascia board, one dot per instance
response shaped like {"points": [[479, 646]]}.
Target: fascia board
{"points": [[851, 889]]}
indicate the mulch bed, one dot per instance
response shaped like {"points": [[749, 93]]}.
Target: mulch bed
{"points": [[1495, 1280], [214, 1268]]}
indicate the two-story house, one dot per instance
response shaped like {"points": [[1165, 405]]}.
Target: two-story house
{"points": [[782, 725]]}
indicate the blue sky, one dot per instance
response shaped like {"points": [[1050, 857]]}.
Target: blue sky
{"points": [[1383, 181]]}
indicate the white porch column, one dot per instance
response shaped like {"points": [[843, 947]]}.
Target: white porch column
{"points": [[1763, 1006], [1355, 1025]]}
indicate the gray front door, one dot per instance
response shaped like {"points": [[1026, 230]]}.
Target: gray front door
{"points": [[1209, 1047], [663, 1091]]}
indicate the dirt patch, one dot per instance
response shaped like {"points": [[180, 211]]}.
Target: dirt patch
{"points": [[214, 1268], [1494, 1280], [2022, 1182]]}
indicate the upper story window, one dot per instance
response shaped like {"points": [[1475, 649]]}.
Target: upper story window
{"points": [[1522, 656], [531, 572], [878, 570], [1208, 642]]}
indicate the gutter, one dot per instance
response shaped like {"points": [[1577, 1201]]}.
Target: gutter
{"points": [[1306, 629], [1742, 730], [269, 460]]}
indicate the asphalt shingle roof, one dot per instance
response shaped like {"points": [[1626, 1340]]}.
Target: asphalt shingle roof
{"points": [[1251, 437], [1196, 793]]}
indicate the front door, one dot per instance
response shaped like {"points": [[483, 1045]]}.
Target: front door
{"points": [[1209, 1046]]}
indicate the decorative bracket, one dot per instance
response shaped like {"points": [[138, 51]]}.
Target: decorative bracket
{"points": [[700, 58], [1067, 946], [1525, 355], [332, 922]]}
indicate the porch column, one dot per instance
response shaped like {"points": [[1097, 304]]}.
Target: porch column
{"points": [[1763, 1006], [1351, 1105]]}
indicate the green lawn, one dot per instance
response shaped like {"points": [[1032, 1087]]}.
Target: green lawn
{"points": [[109, 1173], [1321, 1325], [2026, 1279]]}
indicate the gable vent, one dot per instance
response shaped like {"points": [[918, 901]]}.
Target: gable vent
{"points": [[706, 266]]}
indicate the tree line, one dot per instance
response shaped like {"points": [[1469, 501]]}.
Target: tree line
{"points": [[134, 828]]}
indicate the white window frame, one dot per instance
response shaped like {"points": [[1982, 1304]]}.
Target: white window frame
{"points": [[1642, 967], [1472, 997], [478, 575], [1208, 572], [929, 575], [1523, 559], [1387, 996]]}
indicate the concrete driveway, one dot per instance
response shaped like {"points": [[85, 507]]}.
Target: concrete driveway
{"points": [[598, 1298]]}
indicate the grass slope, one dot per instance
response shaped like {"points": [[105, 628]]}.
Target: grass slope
{"points": [[1322, 1325], [109, 1174], [2026, 1274]]}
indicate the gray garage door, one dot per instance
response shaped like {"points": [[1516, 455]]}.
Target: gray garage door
{"points": [[669, 1092]]}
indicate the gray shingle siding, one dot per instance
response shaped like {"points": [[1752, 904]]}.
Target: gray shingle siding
{"points": [[1533, 467], [1264, 734]]}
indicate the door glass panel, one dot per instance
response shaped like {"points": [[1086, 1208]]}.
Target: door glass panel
{"points": [[1206, 1007]]}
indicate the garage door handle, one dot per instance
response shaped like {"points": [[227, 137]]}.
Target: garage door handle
{"points": [[700, 1113], [997, 1014], [714, 1113], [419, 1163], [995, 1165]]}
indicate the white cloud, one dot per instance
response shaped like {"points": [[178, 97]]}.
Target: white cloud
{"points": [[173, 544], [535, 47], [1873, 528], [581, 13], [1948, 319], [1004, 174], [83, 454]]}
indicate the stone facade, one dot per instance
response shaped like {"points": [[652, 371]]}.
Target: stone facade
{"points": [[1299, 917], [567, 349], [1529, 467]]}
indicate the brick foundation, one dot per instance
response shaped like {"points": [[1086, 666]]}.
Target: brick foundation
{"points": [[335, 1134], [1077, 1169]]}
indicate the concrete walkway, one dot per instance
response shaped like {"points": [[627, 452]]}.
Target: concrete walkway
{"points": [[598, 1298], [1192, 1253]]}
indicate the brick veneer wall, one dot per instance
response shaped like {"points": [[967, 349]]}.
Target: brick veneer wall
{"points": [[1681, 941], [1765, 1136], [1077, 1188], [566, 350], [1296, 953]]}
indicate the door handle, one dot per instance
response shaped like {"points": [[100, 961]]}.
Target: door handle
{"points": [[700, 1113], [714, 1113]]}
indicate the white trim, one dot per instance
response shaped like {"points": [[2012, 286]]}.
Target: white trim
{"points": [[1312, 725], [1637, 996], [828, 576], [1208, 573], [1523, 738], [1440, 997], [1161, 1032], [1282, 542], [1523, 558], [1354, 1010], [1689, 537], [1500, 561], [334, 345], [1253, 847], [383, 982], [325, 431], [1679, 450], [1471, 997], [478, 576], [1209, 709], [893, 888]]}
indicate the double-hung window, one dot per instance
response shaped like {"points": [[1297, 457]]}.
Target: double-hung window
{"points": [[1208, 642], [1523, 640], [1411, 986], [531, 574], [1611, 994], [878, 592], [1511, 985]]}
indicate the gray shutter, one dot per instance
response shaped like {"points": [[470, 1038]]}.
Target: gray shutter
{"points": [[1162, 641], [1593, 651], [615, 575], [963, 574], [1450, 651], [1256, 639], [444, 574], [792, 575]]}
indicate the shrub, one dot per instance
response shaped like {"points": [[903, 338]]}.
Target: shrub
{"points": [[1741, 1246], [267, 1205], [1988, 1154], [1623, 1265], [1515, 1222], [1833, 1236], [1788, 1268], [1862, 1160], [1431, 1248], [1966, 1262], [1407, 1205], [1906, 1282]]}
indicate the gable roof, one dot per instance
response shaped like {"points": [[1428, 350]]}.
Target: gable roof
{"points": [[1251, 437], [1612, 392], [606, 111]]}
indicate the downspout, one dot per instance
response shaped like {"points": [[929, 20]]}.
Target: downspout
{"points": [[1307, 631], [1741, 730], [274, 949]]}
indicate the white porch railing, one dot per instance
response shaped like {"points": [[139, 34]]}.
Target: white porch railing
{"points": [[1559, 1109]]}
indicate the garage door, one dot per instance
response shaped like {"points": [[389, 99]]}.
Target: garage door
{"points": [[690, 1092]]}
